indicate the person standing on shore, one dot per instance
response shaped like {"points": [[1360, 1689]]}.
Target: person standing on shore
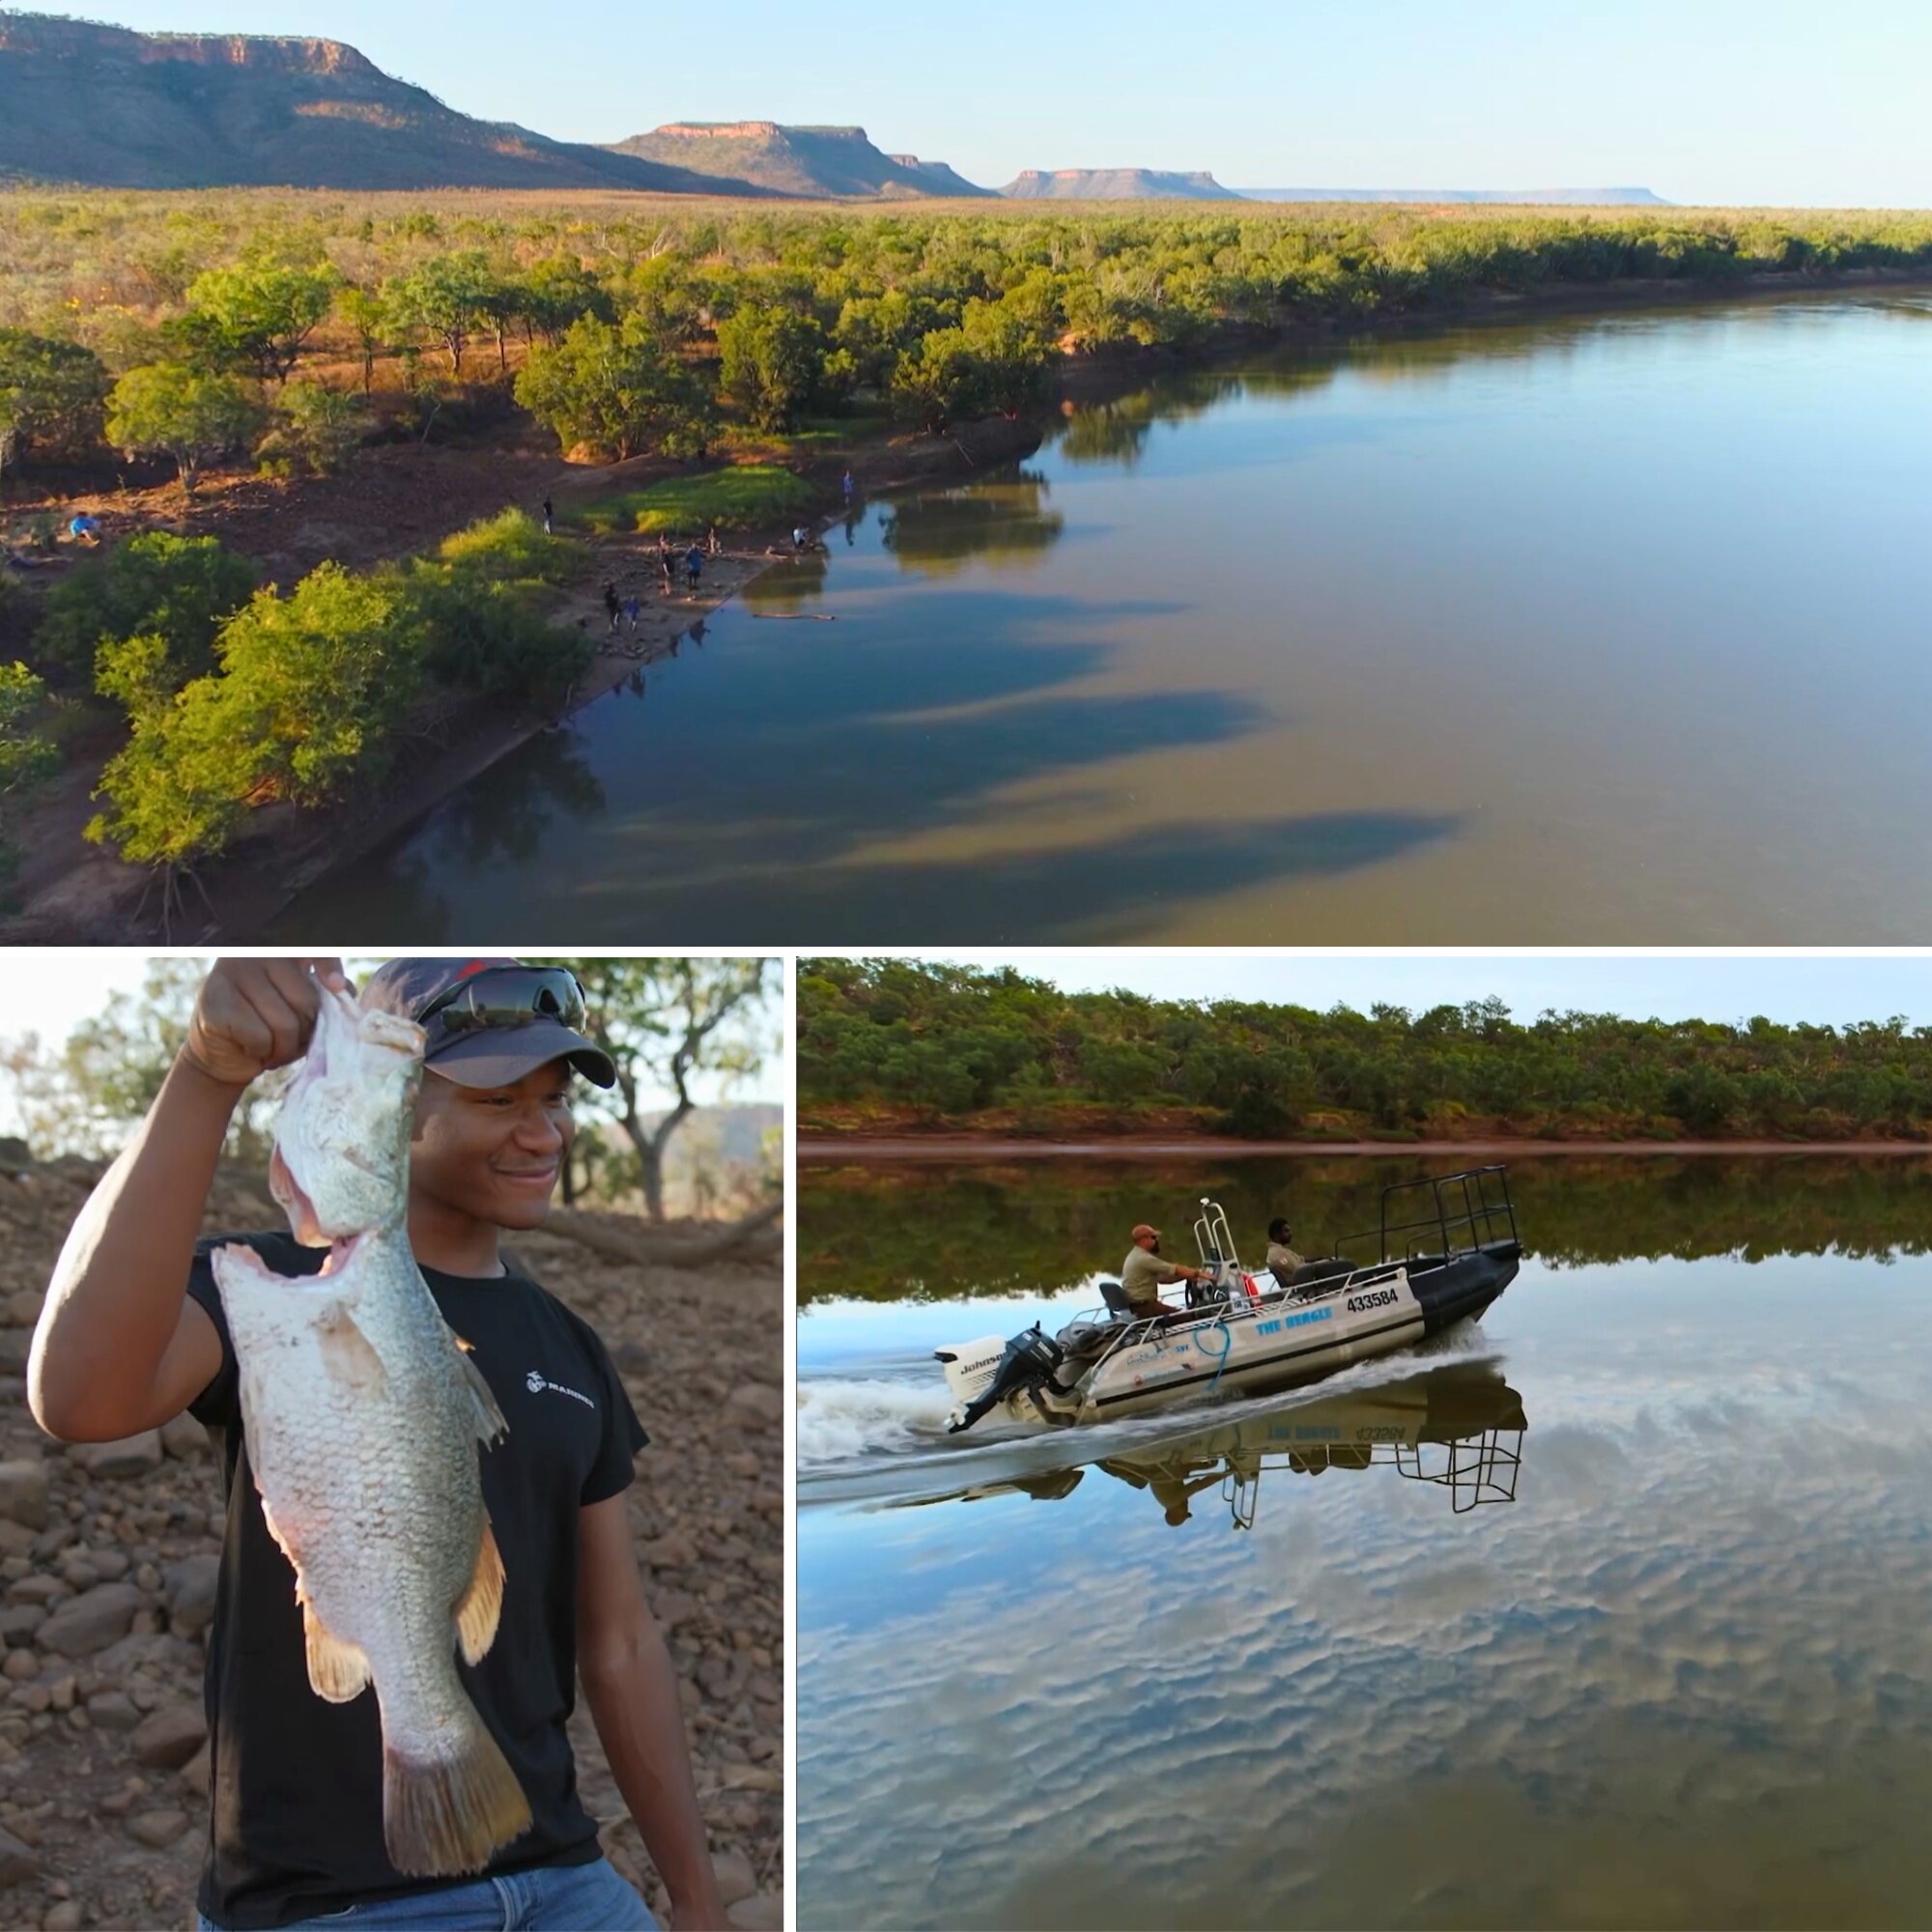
{"points": [[550, 517], [614, 605], [134, 1331], [693, 567], [846, 485], [665, 566], [716, 547]]}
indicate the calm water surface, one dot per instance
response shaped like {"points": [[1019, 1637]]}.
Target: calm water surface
{"points": [[1609, 1611], [1581, 630]]}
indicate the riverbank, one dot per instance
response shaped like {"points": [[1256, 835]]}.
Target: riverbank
{"points": [[975, 1147], [74, 893], [71, 891]]}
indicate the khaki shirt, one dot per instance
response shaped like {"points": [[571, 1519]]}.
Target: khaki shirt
{"points": [[1283, 1261], [1142, 1274]]}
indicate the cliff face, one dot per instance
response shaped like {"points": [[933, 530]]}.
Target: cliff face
{"points": [[823, 162], [107, 107], [1115, 185]]}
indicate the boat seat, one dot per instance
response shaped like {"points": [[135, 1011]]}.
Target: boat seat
{"points": [[1312, 1276], [1116, 1298]]}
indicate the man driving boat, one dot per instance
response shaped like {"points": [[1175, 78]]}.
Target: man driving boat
{"points": [[1142, 1273]]}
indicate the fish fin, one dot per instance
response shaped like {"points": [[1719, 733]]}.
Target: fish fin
{"points": [[467, 1347], [482, 1602], [338, 1669], [281, 1542], [448, 1813], [347, 1354], [490, 1423]]}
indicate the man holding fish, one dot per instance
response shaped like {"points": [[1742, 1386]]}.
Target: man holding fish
{"points": [[426, 1456]]}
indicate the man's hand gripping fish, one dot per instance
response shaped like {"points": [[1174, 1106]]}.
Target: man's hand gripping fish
{"points": [[363, 1414]]}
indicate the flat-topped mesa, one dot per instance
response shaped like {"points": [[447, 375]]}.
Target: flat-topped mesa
{"points": [[58, 39], [818, 163], [1115, 185]]}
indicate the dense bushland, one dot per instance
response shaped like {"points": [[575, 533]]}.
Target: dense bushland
{"points": [[940, 1044]]}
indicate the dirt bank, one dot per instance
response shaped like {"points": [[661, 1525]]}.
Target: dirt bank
{"points": [[103, 1808], [1129, 1146], [70, 892]]}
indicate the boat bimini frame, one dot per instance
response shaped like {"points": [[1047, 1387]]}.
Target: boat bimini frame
{"points": [[1441, 1264]]}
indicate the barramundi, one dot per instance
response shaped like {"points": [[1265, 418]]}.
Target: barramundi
{"points": [[363, 1414]]}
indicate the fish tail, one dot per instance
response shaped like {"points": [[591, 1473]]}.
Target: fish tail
{"points": [[448, 1810]]}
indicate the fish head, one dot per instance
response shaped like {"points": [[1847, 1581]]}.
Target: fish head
{"points": [[341, 1164]]}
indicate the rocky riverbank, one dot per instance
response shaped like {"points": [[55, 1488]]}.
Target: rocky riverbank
{"points": [[109, 1554]]}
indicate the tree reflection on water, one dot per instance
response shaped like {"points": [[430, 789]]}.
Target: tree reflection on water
{"points": [[880, 1232]]}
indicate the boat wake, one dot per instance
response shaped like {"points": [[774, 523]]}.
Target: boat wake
{"points": [[884, 1440]]}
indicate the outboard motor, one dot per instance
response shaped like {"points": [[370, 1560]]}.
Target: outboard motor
{"points": [[1030, 1360]]}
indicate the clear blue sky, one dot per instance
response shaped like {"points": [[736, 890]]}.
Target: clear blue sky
{"points": [[1785, 987], [1762, 101]]}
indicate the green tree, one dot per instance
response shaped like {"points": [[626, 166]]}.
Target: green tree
{"points": [[174, 593], [27, 760], [665, 1022], [446, 297], [940, 383], [255, 317], [558, 293], [51, 394], [312, 688], [167, 409], [773, 363], [614, 390], [366, 316]]}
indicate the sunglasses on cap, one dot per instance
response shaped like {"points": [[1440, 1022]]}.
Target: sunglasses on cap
{"points": [[509, 996]]}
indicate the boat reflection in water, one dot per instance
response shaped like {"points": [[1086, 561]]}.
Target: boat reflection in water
{"points": [[1458, 1426]]}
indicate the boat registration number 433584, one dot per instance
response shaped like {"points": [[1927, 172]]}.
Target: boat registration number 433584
{"points": [[1381, 1298]]}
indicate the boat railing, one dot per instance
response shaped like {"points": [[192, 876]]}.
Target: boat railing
{"points": [[1439, 1218], [1213, 1238]]}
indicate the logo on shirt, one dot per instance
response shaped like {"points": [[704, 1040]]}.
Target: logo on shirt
{"points": [[537, 1383]]}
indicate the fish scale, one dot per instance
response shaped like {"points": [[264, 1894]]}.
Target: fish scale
{"points": [[363, 1417]]}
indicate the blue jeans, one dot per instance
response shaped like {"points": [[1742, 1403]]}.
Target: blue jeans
{"points": [[553, 1898]]}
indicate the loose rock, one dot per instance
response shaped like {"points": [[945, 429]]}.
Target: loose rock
{"points": [[93, 1621], [23, 1493], [131, 1456], [160, 1828], [171, 1738], [188, 1588]]}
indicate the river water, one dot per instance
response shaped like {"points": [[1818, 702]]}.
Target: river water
{"points": [[1570, 631], [1610, 1611]]}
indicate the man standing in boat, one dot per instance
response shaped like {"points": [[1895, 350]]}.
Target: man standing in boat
{"points": [[1144, 1273]]}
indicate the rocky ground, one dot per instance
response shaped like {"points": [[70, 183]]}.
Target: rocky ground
{"points": [[108, 1555]]}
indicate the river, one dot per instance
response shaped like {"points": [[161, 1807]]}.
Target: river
{"points": [[1571, 630], [1608, 1610]]}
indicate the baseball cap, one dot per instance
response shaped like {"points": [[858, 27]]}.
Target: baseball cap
{"points": [[1143, 1229], [526, 1030]]}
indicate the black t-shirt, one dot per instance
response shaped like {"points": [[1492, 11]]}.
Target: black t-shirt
{"points": [[296, 1826]]}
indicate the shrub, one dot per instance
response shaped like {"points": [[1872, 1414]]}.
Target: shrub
{"points": [[319, 424], [311, 689], [173, 591], [181, 588]]}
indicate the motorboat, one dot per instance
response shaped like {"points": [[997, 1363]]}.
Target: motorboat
{"points": [[1445, 1247], [1457, 1425]]}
